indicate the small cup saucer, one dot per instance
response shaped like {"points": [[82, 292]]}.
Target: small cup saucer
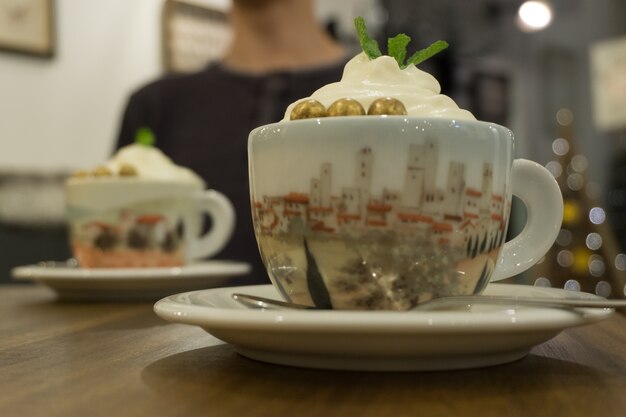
{"points": [[125, 284]]}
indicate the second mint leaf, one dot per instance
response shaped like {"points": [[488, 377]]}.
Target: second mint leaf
{"points": [[396, 48], [424, 54]]}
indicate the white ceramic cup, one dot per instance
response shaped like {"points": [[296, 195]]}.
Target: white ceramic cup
{"points": [[133, 222], [370, 212]]}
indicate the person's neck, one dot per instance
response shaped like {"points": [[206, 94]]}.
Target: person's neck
{"points": [[279, 35]]}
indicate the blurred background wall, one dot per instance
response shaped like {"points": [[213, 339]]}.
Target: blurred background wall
{"points": [[62, 113]]}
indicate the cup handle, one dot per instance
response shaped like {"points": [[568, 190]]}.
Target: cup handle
{"points": [[220, 209], [541, 195]]}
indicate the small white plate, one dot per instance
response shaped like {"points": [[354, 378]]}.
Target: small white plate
{"points": [[75, 283], [378, 340]]}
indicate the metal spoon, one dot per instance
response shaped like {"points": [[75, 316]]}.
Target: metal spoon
{"points": [[447, 302], [255, 301]]}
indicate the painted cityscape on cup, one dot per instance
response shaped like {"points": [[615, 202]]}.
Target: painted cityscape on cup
{"points": [[128, 237], [420, 239]]}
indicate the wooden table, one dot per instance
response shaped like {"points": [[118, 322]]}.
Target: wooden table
{"points": [[75, 359]]}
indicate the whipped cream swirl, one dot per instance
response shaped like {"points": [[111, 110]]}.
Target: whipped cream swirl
{"points": [[366, 80], [151, 164]]}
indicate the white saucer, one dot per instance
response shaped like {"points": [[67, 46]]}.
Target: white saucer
{"points": [[374, 340], [74, 283]]}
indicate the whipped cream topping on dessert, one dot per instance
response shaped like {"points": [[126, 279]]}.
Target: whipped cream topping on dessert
{"points": [[151, 163], [141, 162], [366, 80]]}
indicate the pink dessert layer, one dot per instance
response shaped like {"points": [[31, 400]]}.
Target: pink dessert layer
{"points": [[90, 257]]}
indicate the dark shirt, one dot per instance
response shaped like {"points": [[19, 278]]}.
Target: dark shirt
{"points": [[202, 122]]}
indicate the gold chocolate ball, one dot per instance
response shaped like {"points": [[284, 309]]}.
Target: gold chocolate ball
{"points": [[127, 170], [308, 109], [102, 171], [386, 105], [81, 173], [346, 107]]}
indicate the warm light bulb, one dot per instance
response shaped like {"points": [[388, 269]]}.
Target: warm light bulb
{"points": [[534, 15]]}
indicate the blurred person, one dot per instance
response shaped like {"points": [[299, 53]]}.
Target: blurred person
{"points": [[279, 54]]}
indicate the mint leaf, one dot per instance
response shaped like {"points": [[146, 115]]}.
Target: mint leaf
{"points": [[369, 45], [396, 48], [424, 54], [144, 136]]}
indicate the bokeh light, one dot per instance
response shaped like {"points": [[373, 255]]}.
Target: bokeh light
{"points": [[593, 241], [579, 163], [571, 212], [565, 258], [534, 15], [543, 282], [575, 182], [564, 117], [555, 168], [620, 262], [581, 260], [560, 146], [597, 215], [572, 285], [564, 238], [596, 266], [603, 289]]}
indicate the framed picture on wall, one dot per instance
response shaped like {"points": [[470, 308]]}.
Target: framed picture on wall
{"points": [[195, 33], [608, 84], [27, 27]]}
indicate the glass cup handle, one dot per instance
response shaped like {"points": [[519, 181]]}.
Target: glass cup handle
{"points": [[219, 208], [541, 195]]}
